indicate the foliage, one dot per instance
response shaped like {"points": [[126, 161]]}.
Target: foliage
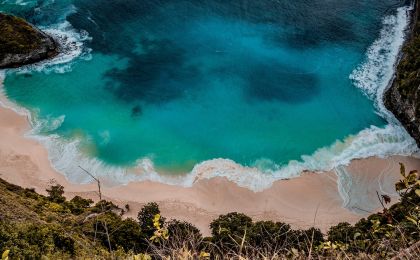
{"points": [[231, 229], [160, 233], [29, 240], [183, 229], [146, 217], [78, 205], [55, 193], [408, 71], [38, 226], [5, 255], [17, 36], [104, 206], [386, 232], [123, 233], [269, 233]]}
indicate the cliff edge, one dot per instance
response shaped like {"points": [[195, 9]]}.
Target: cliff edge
{"points": [[22, 43], [403, 96]]}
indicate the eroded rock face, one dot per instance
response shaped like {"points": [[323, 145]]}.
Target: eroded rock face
{"points": [[22, 43], [403, 97], [405, 110]]}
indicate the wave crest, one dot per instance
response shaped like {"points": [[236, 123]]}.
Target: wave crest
{"points": [[372, 77]]}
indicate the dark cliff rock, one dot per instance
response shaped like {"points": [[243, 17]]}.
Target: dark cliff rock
{"points": [[22, 43], [403, 96]]}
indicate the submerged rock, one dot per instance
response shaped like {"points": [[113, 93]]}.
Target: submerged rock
{"points": [[22, 43], [403, 96], [136, 111]]}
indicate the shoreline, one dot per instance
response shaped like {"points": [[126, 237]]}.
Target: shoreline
{"points": [[320, 199], [313, 199]]}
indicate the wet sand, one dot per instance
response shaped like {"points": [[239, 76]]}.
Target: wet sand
{"points": [[310, 200]]}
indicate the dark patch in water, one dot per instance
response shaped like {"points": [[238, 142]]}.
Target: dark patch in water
{"points": [[136, 111], [158, 75], [312, 21], [279, 83], [106, 22], [161, 74]]}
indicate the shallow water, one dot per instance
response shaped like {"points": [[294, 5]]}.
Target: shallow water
{"points": [[181, 82]]}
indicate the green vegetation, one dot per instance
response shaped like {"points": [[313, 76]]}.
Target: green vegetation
{"points": [[17, 36], [403, 97], [37, 226], [408, 72], [21, 43]]}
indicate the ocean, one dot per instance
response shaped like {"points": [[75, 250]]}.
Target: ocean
{"points": [[175, 90]]}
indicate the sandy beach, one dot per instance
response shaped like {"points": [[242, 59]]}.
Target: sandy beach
{"points": [[310, 200]]}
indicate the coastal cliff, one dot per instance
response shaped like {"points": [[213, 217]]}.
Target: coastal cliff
{"points": [[403, 96], [21, 43]]}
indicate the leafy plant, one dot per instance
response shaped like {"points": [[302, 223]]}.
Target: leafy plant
{"points": [[160, 233], [5, 255], [146, 217], [55, 193]]}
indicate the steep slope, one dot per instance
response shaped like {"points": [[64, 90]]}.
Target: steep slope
{"points": [[21, 43], [403, 97]]}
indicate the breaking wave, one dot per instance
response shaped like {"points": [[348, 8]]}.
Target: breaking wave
{"points": [[372, 77]]}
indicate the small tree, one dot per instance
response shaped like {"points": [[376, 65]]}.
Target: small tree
{"points": [[55, 193], [231, 230], [146, 216], [183, 234], [123, 233], [78, 205]]}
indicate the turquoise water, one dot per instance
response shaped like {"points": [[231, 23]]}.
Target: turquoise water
{"points": [[182, 82]]}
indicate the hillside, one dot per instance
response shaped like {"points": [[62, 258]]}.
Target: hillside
{"points": [[403, 97], [35, 226], [21, 43]]}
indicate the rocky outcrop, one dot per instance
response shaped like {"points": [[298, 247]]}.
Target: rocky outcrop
{"points": [[22, 43], [403, 96]]}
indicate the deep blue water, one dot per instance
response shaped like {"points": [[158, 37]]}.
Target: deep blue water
{"points": [[181, 82]]}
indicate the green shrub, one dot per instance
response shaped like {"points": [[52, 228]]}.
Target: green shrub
{"points": [[78, 205], [307, 239], [182, 233], [104, 206], [146, 216], [231, 229], [343, 232], [55, 193], [123, 233], [270, 234], [49, 228], [32, 240]]}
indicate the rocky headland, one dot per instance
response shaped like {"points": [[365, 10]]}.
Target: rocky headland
{"points": [[403, 96], [22, 43]]}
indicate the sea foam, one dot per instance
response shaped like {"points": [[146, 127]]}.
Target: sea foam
{"points": [[372, 77], [375, 74]]}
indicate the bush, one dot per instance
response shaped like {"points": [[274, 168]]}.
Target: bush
{"points": [[270, 234], [104, 206], [122, 233], [343, 232], [32, 241], [231, 229], [234, 235], [146, 216], [182, 233], [55, 193], [306, 239], [78, 205]]}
